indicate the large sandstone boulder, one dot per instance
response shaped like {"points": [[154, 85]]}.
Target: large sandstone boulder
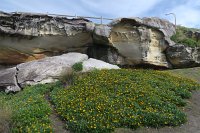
{"points": [[134, 41], [47, 70], [181, 56], [93, 64]]}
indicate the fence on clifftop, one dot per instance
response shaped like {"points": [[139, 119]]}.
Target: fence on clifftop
{"points": [[101, 18]]}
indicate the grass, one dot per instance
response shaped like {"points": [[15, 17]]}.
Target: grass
{"points": [[192, 73], [104, 100], [181, 37], [100, 101]]}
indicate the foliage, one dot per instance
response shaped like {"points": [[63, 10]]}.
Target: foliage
{"points": [[30, 110], [181, 37], [77, 67], [68, 77], [103, 100]]}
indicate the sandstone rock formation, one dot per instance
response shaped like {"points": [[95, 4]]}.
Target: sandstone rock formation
{"points": [[46, 70], [25, 37], [125, 41], [182, 56], [135, 41]]}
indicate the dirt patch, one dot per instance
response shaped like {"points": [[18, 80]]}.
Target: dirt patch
{"points": [[58, 125]]}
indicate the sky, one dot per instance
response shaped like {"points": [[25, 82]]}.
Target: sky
{"points": [[187, 11]]}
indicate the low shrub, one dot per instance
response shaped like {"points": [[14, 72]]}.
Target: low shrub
{"points": [[77, 67], [104, 100], [68, 77]]}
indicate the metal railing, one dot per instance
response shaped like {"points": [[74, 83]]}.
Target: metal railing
{"points": [[67, 16]]}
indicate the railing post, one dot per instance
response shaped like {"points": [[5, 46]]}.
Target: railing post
{"points": [[101, 20]]}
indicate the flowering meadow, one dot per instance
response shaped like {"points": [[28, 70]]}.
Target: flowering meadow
{"points": [[101, 101]]}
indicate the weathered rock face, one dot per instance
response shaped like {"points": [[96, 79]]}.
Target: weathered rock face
{"points": [[136, 41], [181, 56], [26, 37], [193, 34], [126, 41], [46, 70]]}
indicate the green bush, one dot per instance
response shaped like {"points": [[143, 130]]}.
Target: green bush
{"points": [[181, 37], [77, 67], [104, 100]]}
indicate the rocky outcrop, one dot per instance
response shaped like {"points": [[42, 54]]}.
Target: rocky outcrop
{"points": [[25, 37], [193, 34], [47, 70], [125, 41], [94, 64], [136, 41], [181, 56]]}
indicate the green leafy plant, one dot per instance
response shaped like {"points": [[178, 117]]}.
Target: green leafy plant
{"points": [[77, 67]]}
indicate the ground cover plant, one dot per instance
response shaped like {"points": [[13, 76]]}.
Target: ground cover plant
{"points": [[30, 110], [101, 101]]}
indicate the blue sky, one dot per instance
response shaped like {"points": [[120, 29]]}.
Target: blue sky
{"points": [[187, 11]]}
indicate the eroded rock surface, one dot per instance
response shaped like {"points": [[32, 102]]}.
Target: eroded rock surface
{"points": [[137, 41], [125, 41], [25, 37], [47, 70], [181, 56]]}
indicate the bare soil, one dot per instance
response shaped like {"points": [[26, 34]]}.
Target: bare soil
{"points": [[59, 126]]}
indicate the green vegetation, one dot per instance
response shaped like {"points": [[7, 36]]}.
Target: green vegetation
{"points": [[77, 67], [182, 37], [30, 111], [103, 100], [99, 101]]}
